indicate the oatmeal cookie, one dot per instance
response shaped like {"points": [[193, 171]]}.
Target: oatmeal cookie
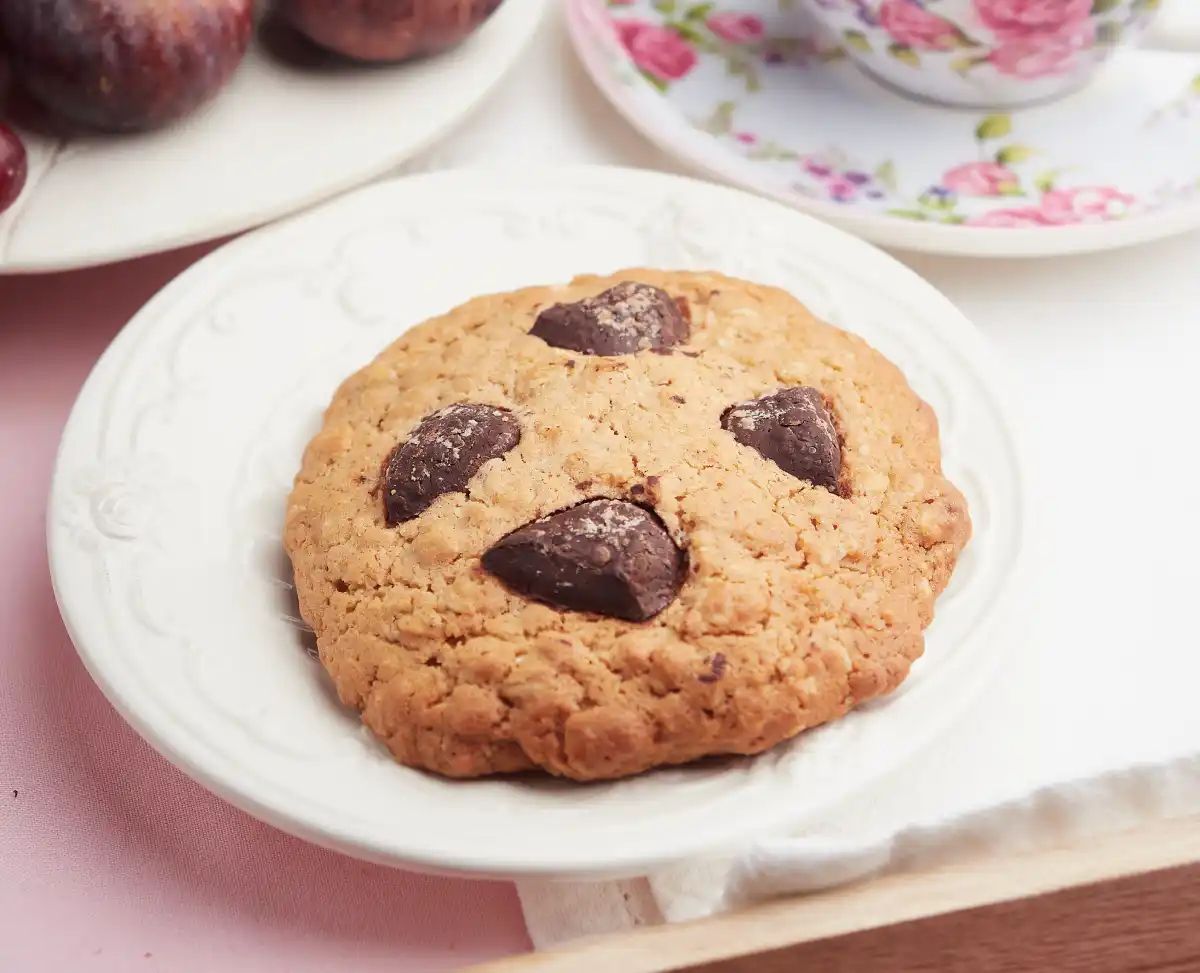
{"points": [[620, 523]]}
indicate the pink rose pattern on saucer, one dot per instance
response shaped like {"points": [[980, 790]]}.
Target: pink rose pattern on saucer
{"points": [[1004, 183], [1001, 180], [1022, 40], [660, 52]]}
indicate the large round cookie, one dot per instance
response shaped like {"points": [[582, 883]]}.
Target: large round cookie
{"points": [[803, 579]]}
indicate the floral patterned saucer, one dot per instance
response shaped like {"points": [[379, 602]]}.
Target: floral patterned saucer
{"points": [[751, 92]]}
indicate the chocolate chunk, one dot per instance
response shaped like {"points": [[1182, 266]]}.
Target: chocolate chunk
{"points": [[648, 492], [792, 428], [716, 669], [627, 318], [610, 557], [445, 450]]}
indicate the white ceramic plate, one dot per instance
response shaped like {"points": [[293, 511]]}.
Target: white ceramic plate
{"points": [[168, 499], [278, 139], [752, 93]]}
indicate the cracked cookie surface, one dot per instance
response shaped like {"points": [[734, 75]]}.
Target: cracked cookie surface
{"points": [[799, 602]]}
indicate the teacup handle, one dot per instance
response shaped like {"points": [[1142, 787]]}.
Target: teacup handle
{"points": [[1176, 28]]}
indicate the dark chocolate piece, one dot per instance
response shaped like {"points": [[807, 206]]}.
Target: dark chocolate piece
{"points": [[793, 429], [716, 669], [610, 557], [624, 319], [445, 450]]}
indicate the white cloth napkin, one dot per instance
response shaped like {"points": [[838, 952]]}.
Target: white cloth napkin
{"points": [[557, 912]]}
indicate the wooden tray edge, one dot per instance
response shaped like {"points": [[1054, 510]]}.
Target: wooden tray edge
{"points": [[1097, 865]]}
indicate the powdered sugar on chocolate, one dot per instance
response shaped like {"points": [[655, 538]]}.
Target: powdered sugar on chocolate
{"points": [[445, 450], [794, 429], [610, 557], [623, 320]]}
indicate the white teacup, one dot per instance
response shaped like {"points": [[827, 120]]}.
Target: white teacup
{"points": [[985, 53]]}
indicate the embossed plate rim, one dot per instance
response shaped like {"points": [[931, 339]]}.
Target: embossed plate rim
{"points": [[569, 853]]}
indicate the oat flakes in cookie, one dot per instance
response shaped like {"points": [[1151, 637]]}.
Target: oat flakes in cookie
{"points": [[621, 523]]}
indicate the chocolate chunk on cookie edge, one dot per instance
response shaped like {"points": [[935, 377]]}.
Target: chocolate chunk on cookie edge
{"points": [[623, 320]]}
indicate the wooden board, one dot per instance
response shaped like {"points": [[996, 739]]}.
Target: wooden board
{"points": [[1128, 903]]}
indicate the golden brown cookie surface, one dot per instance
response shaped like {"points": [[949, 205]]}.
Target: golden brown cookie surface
{"points": [[797, 604]]}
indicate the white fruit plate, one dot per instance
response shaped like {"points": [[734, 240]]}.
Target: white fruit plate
{"points": [[174, 469], [279, 138]]}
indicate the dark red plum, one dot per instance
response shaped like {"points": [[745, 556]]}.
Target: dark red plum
{"points": [[13, 167], [386, 30], [124, 65]]}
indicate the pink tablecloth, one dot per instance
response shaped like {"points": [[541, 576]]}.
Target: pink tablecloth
{"points": [[110, 860]]}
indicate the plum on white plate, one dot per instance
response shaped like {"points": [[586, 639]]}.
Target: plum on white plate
{"points": [[386, 30], [13, 167], [124, 65]]}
